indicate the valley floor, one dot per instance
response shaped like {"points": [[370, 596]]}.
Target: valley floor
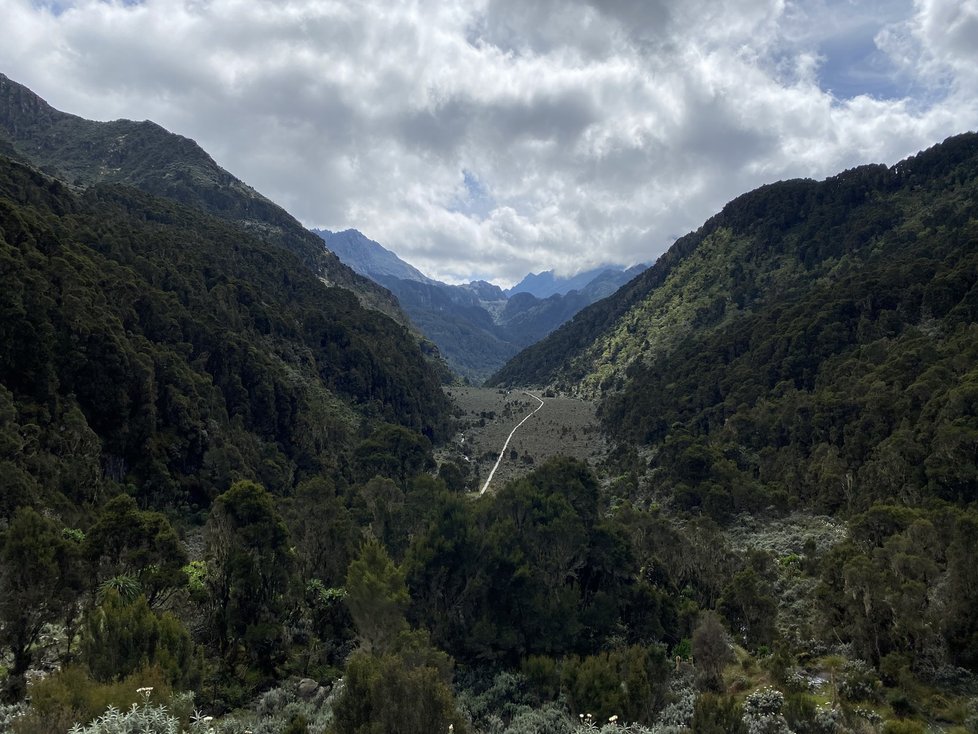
{"points": [[564, 426]]}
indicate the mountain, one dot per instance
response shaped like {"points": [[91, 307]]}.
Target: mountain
{"points": [[547, 283], [814, 342], [149, 158], [155, 348], [476, 326], [369, 258]]}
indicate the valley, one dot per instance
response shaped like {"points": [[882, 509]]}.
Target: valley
{"points": [[241, 484]]}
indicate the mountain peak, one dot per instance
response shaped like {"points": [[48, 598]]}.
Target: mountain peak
{"points": [[369, 258]]}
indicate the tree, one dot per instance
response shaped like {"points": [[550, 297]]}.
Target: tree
{"points": [[625, 682], [323, 532], [393, 452], [249, 568], [377, 597], [711, 649], [749, 608], [39, 584], [143, 545]]}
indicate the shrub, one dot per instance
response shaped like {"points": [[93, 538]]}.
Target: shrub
{"points": [[385, 693], [542, 677], [70, 696], [718, 715], [903, 727], [762, 712], [122, 636], [859, 682], [628, 682], [547, 720]]}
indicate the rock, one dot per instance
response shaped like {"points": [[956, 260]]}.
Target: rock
{"points": [[307, 688]]}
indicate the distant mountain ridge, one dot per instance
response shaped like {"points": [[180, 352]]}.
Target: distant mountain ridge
{"points": [[476, 326], [547, 283]]}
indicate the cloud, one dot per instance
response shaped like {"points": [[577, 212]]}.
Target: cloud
{"points": [[490, 138]]}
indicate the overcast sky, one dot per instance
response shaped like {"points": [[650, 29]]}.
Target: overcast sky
{"points": [[490, 138]]}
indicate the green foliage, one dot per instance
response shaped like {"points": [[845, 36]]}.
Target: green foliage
{"points": [[711, 650], [903, 727], [323, 531], [763, 712], [70, 696], [386, 693], [628, 682], [144, 156], [750, 609], [899, 586], [813, 344], [377, 598], [39, 584], [196, 573], [143, 545], [718, 715], [542, 676], [121, 637], [146, 343], [249, 566], [393, 452], [534, 570]]}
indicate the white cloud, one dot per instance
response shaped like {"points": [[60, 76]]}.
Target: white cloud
{"points": [[597, 131]]}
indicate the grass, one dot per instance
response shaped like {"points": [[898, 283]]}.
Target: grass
{"points": [[564, 426]]}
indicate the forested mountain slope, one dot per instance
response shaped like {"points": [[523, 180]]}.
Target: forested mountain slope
{"points": [[152, 159], [150, 345], [814, 341]]}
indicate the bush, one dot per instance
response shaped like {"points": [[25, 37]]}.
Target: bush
{"points": [[546, 720], [903, 727], [718, 715], [762, 712], [542, 677], [859, 682], [122, 636], [629, 682], [385, 693], [70, 696]]}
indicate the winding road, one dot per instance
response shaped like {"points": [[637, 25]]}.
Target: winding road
{"points": [[510, 436]]}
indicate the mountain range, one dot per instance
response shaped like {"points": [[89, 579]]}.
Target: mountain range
{"points": [[477, 326]]}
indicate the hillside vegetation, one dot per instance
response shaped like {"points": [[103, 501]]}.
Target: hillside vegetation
{"points": [[149, 343], [477, 326], [813, 343]]}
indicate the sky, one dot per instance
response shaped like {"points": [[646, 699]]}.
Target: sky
{"points": [[492, 138]]}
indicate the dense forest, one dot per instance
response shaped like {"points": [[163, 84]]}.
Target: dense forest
{"points": [[223, 505]]}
